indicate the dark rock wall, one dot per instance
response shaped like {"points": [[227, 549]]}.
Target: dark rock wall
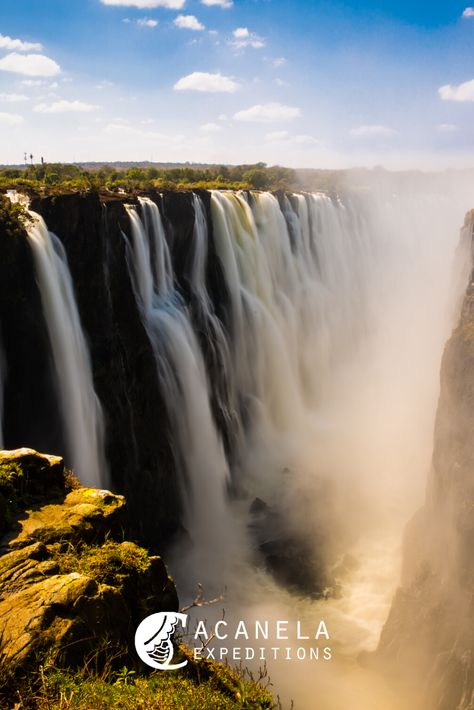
{"points": [[428, 640], [31, 406]]}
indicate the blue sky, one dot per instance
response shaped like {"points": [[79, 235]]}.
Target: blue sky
{"points": [[306, 84]]}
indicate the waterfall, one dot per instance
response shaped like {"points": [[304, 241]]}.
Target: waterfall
{"points": [[81, 410], [197, 445]]}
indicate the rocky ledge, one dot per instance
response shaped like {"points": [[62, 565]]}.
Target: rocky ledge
{"points": [[71, 586]]}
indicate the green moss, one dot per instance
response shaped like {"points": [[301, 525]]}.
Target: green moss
{"points": [[111, 563]]}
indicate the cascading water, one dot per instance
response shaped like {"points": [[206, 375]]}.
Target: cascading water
{"points": [[198, 448], [304, 392], [81, 410], [333, 364]]}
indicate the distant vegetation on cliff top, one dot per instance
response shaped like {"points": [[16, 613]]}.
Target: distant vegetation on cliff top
{"points": [[55, 178]]}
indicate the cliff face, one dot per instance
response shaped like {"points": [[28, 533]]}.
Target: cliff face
{"points": [[138, 447], [429, 634]]}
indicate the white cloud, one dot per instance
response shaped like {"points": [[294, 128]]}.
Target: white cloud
{"points": [[14, 98], [146, 4], [119, 131], [11, 44], [468, 12], [283, 137], [279, 62], [188, 22], [461, 92], [210, 128], [11, 119], [65, 107], [373, 131], [147, 22], [304, 139], [447, 128], [217, 3], [33, 82], [244, 38], [203, 81], [29, 64], [268, 113], [277, 136], [104, 84]]}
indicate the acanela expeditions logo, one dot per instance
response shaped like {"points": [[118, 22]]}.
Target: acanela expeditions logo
{"points": [[153, 639], [258, 640]]}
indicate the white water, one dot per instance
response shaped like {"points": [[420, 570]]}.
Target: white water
{"points": [[337, 328], [81, 410], [200, 454]]}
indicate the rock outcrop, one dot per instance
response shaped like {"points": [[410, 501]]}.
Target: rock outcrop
{"points": [[72, 587], [428, 639]]}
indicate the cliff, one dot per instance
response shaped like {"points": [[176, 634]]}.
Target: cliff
{"points": [[138, 449], [428, 638]]}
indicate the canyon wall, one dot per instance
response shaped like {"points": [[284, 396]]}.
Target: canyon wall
{"points": [[428, 639]]}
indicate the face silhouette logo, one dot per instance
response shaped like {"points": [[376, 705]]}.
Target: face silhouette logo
{"points": [[153, 639]]}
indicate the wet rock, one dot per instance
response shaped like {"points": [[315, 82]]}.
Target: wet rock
{"points": [[286, 553]]}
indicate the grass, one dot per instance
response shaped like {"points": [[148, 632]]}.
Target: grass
{"points": [[203, 685]]}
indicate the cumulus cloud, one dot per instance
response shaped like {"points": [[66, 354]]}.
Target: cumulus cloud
{"points": [[146, 4], [11, 119], [373, 131], [244, 38], [12, 45], [65, 107], [217, 3], [203, 81], [147, 22], [279, 62], [188, 22], [461, 92], [210, 127], [268, 113], [29, 64], [14, 98], [468, 12]]}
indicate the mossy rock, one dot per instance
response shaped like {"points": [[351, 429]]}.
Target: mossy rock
{"points": [[71, 585]]}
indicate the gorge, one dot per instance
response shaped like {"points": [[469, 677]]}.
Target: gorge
{"points": [[258, 374]]}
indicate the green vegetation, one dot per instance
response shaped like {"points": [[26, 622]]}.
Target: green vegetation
{"points": [[56, 178], [110, 563], [12, 216], [202, 685]]}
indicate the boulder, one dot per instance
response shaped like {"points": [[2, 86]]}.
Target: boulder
{"points": [[71, 587]]}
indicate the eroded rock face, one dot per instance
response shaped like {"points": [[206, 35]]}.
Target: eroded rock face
{"points": [[70, 586], [428, 639]]}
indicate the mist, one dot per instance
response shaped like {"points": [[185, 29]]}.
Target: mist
{"points": [[336, 350]]}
